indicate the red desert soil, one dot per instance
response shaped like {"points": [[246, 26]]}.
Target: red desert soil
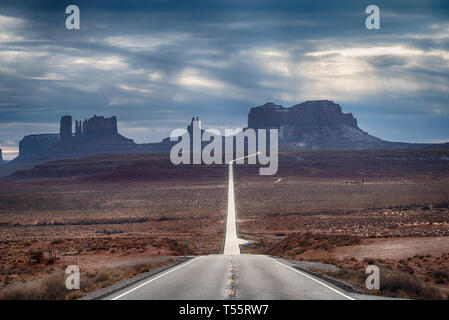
{"points": [[360, 203], [112, 210], [392, 248]]}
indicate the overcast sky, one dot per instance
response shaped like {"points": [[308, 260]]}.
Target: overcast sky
{"points": [[154, 64]]}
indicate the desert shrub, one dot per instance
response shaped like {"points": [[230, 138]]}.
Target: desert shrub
{"points": [[74, 295], [166, 219], [105, 275], [305, 243], [37, 257], [141, 268], [325, 246], [295, 251], [403, 285], [280, 234], [442, 205], [51, 287], [350, 275], [441, 277]]}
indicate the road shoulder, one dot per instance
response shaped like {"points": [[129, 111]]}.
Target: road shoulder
{"points": [[122, 284]]}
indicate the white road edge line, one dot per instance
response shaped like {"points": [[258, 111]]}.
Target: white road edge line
{"points": [[153, 279], [312, 278]]}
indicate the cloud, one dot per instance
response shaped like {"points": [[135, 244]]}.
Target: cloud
{"points": [[115, 101], [144, 42], [9, 27], [192, 79], [143, 91], [168, 61]]}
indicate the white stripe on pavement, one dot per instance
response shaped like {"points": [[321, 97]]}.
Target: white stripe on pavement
{"points": [[153, 279], [312, 278]]}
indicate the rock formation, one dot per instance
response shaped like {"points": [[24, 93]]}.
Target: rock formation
{"points": [[1, 156], [92, 136], [36, 144], [315, 125], [97, 134], [309, 125], [309, 113], [65, 130], [96, 127], [78, 130]]}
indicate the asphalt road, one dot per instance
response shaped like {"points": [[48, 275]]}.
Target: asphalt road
{"points": [[220, 277], [231, 246], [231, 275]]}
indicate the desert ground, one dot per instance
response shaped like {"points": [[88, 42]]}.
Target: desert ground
{"points": [[128, 213], [108, 212], [349, 208]]}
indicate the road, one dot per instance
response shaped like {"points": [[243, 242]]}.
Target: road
{"points": [[220, 277], [232, 275], [232, 242]]}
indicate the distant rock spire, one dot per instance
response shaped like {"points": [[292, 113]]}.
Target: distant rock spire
{"points": [[78, 130], [65, 130]]}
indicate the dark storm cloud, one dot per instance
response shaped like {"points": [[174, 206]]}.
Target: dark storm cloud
{"points": [[156, 63]]}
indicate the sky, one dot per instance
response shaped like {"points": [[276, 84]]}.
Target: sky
{"points": [[155, 64]]}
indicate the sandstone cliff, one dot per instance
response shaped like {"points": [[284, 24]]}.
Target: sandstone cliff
{"points": [[315, 125], [98, 126], [95, 135]]}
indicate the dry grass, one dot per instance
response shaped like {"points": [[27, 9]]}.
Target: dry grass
{"points": [[52, 287], [299, 243], [413, 278], [403, 285]]}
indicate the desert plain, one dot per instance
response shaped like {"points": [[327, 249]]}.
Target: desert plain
{"points": [[119, 215]]}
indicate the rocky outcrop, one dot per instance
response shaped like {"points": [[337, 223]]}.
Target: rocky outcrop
{"points": [[1, 156], [65, 129], [94, 135], [314, 125], [78, 128], [96, 127], [97, 135], [36, 144], [309, 113], [309, 125]]}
